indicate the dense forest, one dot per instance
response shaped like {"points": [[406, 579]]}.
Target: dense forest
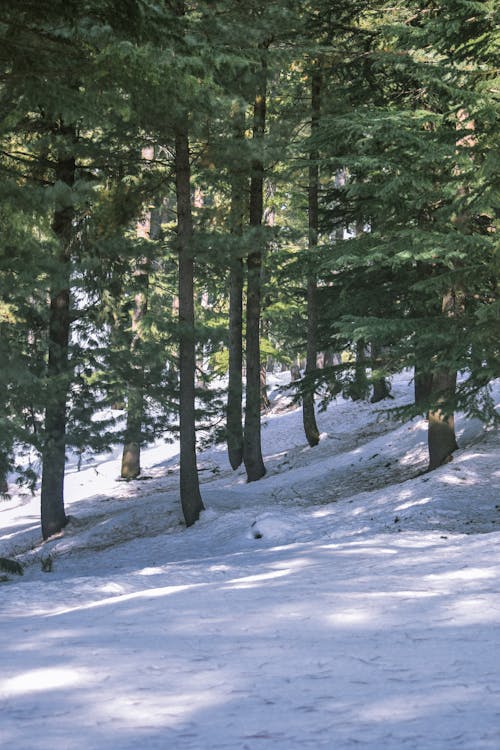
{"points": [[199, 192]]}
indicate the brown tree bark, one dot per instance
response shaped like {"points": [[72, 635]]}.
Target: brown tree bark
{"points": [[234, 409], [381, 387], [441, 437], [441, 431], [252, 448], [191, 501], [422, 384], [53, 516], [131, 456], [308, 412]]}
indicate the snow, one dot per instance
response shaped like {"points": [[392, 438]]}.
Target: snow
{"points": [[346, 600]]}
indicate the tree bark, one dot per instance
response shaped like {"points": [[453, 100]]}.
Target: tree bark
{"points": [[441, 431], [234, 409], [131, 456], [359, 387], [252, 449], [308, 412], [191, 501], [53, 517], [441, 437], [422, 383], [381, 388]]}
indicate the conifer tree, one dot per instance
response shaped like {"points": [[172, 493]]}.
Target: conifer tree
{"points": [[309, 417], [252, 450]]}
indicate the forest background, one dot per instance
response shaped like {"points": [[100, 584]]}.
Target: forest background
{"points": [[218, 188]]}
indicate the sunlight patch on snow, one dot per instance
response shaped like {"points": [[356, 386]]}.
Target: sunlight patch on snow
{"points": [[150, 571], [111, 588], [465, 574], [357, 548], [413, 503], [476, 610], [159, 709], [248, 582], [406, 708], [323, 512], [351, 617], [153, 593], [41, 680]]}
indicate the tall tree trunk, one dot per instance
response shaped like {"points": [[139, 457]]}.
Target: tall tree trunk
{"points": [[308, 412], [131, 456], [191, 501], [234, 408], [252, 448], [53, 516]]}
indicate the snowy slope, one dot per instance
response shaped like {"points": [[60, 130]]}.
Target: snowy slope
{"points": [[347, 600]]}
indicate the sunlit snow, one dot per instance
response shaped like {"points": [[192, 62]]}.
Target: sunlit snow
{"points": [[346, 600]]}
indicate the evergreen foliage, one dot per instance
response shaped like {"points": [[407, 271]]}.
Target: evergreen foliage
{"points": [[401, 259]]}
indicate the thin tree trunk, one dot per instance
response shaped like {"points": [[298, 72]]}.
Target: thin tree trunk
{"points": [[53, 516], [308, 412], [252, 448], [191, 501], [234, 409]]}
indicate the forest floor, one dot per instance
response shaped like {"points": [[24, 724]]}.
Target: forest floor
{"points": [[346, 600]]}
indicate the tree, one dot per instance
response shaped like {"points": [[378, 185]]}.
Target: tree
{"points": [[252, 450], [309, 417], [191, 501], [237, 217]]}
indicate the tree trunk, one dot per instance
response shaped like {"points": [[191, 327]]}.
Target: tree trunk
{"points": [[422, 383], [4, 485], [235, 385], [191, 501], [359, 387], [252, 450], [131, 456], [381, 388], [264, 398], [308, 412], [53, 516], [234, 408], [441, 431]]}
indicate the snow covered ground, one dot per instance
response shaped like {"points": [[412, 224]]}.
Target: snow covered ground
{"points": [[347, 600]]}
